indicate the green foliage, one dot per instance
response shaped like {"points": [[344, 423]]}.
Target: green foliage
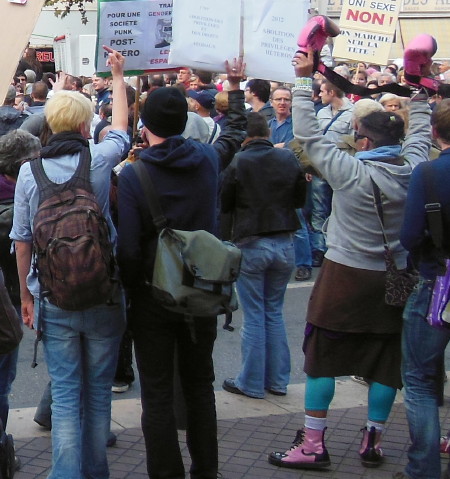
{"points": [[63, 7]]}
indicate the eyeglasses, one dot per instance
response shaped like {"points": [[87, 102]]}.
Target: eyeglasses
{"points": [[357, 136], [279, 100]]}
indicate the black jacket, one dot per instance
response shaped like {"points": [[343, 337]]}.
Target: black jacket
{"points": [[262, 187], [185, 174]]}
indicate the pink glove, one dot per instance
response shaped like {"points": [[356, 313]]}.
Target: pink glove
{"points": [[315, 33], [418, 54]]}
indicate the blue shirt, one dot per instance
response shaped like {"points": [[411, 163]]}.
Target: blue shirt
{"points": [[105, 156], [281, 132]]}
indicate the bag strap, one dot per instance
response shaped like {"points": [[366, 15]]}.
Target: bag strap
{"points": [[379, 209], [335, 117], [433, 209], [80, 178], [213, 134], [159, 220]]}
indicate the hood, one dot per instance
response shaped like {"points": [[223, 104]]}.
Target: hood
{"points": [[175, 152], [347, 104], [387, 169], [8, 114]]}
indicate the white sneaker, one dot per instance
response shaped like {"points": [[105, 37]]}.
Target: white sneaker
{"points": [[120, 387]]}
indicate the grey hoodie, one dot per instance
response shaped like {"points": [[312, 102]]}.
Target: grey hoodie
{"points": [[353, 232]]}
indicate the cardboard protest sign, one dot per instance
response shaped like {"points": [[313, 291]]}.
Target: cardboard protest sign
{"points": [[271, 28], [265, 35], [141, 30], [204, 36], [367, 30], [17, 22]]}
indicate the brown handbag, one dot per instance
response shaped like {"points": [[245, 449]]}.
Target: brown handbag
{"points": [[399, 283]]}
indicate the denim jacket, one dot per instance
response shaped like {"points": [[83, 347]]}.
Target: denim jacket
{"points": [[105, 156]]}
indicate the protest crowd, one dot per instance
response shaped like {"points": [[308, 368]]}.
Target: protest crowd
{"points": [[297, 176]]}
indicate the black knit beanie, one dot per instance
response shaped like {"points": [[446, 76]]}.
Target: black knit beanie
{"points": [[165, 112]]}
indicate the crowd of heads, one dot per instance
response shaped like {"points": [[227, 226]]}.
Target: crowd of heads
{"points": [[205, 93]]}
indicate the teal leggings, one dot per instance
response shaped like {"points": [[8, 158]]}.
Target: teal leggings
{"points": [[320, 392]]}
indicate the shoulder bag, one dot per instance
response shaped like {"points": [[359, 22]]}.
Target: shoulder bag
{"points": [[399, 283]]}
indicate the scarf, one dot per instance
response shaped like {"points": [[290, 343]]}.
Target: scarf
{"points": [[380, 153], [64, 143]]}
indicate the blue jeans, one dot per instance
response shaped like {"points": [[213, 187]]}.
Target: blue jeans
{"points": [[321, 195], [8, 365], [302, 246], [422, 351], [81, 349], [267, 264]]}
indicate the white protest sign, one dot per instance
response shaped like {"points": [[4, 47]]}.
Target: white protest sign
{"points": [[205, 33], [141, 30], [367, 30], [271, 28], [17, 22]]}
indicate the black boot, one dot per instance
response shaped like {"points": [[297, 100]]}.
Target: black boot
{"points": [[370, 451]]}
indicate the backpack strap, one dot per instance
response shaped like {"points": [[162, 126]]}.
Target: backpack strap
{"points": [[213, 134], [433, 209], [80, 179], [335, 117], [151, 197]]}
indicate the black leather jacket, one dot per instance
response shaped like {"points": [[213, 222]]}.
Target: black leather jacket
{"points": [[262, 187]]}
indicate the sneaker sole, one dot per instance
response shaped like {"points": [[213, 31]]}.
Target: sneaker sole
{"points": [[372, 464], [296, 465], [120, 389]]}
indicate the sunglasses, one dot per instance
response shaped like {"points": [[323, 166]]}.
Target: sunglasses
{"points": [[357, 136]]}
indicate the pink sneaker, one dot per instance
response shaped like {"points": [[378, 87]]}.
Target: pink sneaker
{"points": [[308, 451], [445, 444]]}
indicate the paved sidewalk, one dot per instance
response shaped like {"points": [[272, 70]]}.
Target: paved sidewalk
{"points": [[248, 430]]}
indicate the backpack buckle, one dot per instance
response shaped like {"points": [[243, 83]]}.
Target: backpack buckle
{"points": [[432, 207]]}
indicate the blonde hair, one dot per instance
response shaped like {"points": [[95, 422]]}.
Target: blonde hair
{"points": [[389, 97], [67, 110], [221, 102], [362, 108]]}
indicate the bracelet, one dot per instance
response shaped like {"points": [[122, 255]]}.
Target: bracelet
{"points": [[303, 83]]}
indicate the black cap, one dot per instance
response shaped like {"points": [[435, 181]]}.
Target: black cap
{"points": [[165, 112]]}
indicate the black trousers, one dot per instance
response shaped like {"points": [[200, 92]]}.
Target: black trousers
{"points": [[157, 333]]}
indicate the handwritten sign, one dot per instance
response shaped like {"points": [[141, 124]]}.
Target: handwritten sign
{"points": [[270, 37], [141, 30], [205, 33], [334, 7], [367, 30]]}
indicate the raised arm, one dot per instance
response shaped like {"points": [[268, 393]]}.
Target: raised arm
{"points": [[119, 107], [416, 147], [233, 134], [324, 155]]}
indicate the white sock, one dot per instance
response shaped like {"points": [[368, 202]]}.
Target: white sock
{"points": [[377, 425], [317, 423]]}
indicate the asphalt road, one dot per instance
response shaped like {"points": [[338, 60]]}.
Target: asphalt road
{"points": [[30, 383]]}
